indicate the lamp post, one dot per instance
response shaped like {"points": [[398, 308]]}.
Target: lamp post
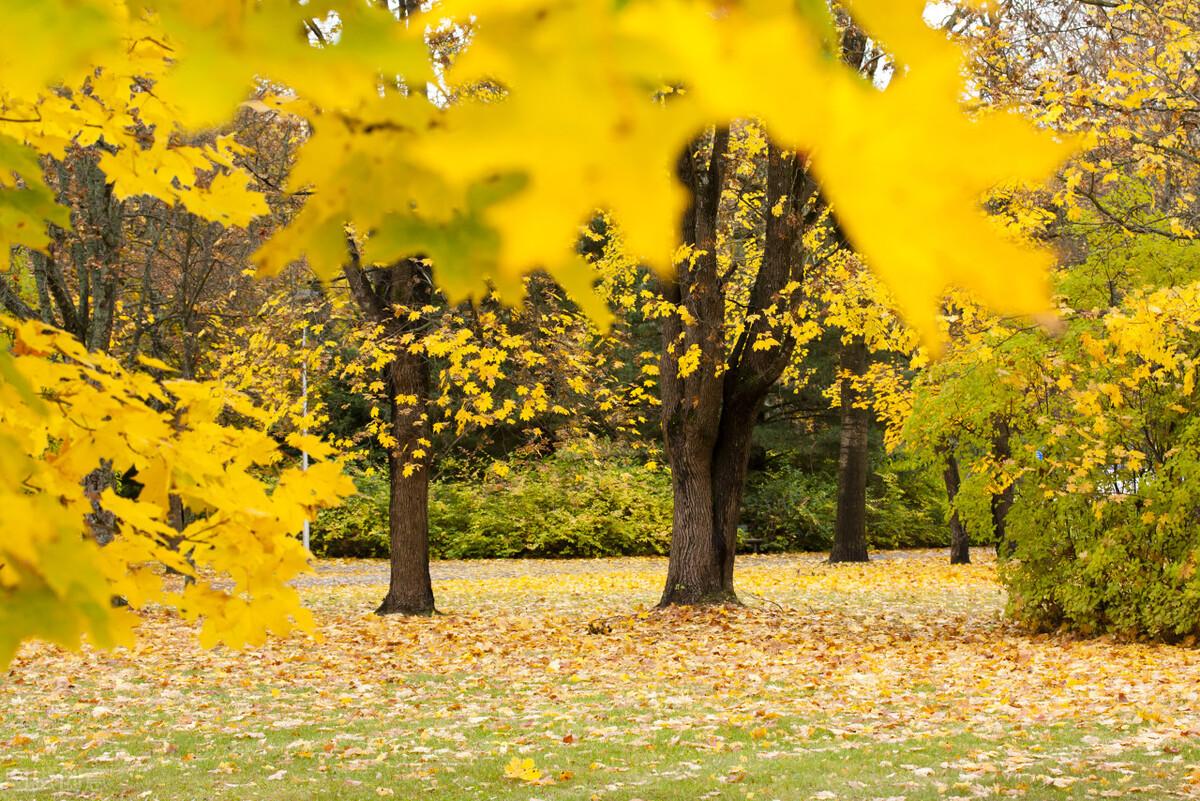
{"points": [[307, 532]]}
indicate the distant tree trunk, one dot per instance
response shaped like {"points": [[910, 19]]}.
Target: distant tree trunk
{"points": [[1002, 501], [850, 527], [960, 541], [101, 523], [709, 414], [407, 285]]}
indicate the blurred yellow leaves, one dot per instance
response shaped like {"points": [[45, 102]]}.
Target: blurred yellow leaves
{"points": [[499, 127], [904, 166], [522, 770]]}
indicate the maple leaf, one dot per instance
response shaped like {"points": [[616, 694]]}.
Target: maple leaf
{"points": [[522, 770]]}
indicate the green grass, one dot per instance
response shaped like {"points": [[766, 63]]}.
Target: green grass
{"points": [[615, 756]]}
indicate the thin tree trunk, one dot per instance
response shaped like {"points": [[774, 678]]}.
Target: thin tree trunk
{"points": [[960, 541], [1002, 501], [850, 528], [101, 523]]}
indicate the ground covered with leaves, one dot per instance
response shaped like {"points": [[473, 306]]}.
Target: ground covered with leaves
{"points": [[897, 680]]}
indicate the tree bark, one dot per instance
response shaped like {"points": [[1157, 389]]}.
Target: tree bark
{"points": [[960, 541], [101, 523], [406, 285], [410, 589], [850, 527], [1002, 501], [691, 396]]}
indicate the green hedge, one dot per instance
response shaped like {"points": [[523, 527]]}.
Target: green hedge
{"points": [[1124, 564], [568, 505], [575, 504], [793, 509]]}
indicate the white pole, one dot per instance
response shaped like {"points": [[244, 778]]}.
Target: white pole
{"points": [[304, 408]]}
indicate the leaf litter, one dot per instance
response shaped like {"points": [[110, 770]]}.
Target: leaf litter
{"points": [[899, 679]]}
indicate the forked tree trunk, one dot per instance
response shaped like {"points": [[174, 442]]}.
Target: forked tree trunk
{"points": [[850, 527], [960, 541], [405, 285], [691, 397], [709, 413]]}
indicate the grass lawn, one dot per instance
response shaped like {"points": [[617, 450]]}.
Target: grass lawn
{"points": [[895, 680]]}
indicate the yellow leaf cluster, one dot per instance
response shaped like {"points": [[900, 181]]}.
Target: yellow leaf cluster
{"points": [[64, 413]]}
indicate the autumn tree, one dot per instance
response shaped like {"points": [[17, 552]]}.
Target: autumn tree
{"points": [[714, 384]]}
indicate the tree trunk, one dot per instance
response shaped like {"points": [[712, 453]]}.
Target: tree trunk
{"points": [[731, 460], [960, 541], [695, 565], [389, 299], [691, 408], [410, 589], [101, 523], [850, 528], [1002, 501], [709, 412]]}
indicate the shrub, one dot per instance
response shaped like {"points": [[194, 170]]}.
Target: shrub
{"points": [[357, 528], [907, 508], [586, 501], [790, 509], [1115, 563], [793, 509], [571, 504]]}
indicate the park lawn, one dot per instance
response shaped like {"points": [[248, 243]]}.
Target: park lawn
{"points": [[895, 680]]}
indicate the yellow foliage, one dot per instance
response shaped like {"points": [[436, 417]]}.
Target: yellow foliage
{"points": [[62, 411]]}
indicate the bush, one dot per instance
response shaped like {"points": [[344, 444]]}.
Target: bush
{"points": [[907, 508], [586, 501], [357, 528], [793, 509], [571, 504], [566, 505], [790, 509], [1099, 563]]}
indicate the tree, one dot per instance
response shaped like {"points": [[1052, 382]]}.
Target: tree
{"points": [[713, 388], [960, 540], [394, 297], [138, 77]]}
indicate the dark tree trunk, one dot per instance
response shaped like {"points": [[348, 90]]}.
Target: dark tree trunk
{"points": [[850, 527], [960, 541], [410, 590], [407, 286], [1002, 501], [709, 414], [691, 398]]}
